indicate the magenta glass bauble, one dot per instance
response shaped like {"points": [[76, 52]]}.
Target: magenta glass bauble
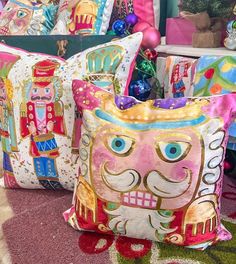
{"points": [[151, 38], [141, 26]]}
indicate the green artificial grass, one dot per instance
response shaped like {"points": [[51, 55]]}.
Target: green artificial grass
{"points": [[221, 253]]}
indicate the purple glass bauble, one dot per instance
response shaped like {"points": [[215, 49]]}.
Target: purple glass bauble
{"points": [[140, 89], [119, 27], [131, 19]]}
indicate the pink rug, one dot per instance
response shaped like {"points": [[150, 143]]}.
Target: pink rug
{"points": [[37, 234]]}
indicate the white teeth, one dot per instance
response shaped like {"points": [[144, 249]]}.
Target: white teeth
{"points": [[141, 199]]}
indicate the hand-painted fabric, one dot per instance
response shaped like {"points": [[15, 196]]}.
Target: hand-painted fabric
{"points": [[146, 10], [86, 17], [178, 76], [109, 66], [39, 125], [24, 17], [36, 123], [215, 75], [151, 170]]}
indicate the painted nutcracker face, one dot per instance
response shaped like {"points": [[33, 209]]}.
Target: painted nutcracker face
{"points": [[42, 95], [3, 95], [15, 19], [166, 177]]}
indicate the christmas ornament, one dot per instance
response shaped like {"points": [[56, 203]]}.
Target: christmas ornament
{"points": [[230, 41], [140, 89], [151, 38], [131, 19], [141, 26], [111, 33], [119, 27], [146, 67], [151, 54]]}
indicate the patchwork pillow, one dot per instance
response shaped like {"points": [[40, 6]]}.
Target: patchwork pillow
{"points": [[90, 17], [25, 17], [151, 170], [216, 75], [39, 125], [148, 10]]}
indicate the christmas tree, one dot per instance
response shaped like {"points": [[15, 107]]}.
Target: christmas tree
{"points": [[215, 8]]}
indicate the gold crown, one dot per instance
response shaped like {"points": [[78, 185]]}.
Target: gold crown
{"points": [[84, 13], [146, 112], [102, 63]]}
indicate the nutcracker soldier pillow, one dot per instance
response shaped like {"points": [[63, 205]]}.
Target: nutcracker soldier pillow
{"points": [[151, 170], [36, 123], [39, 125], [25, 17], [84, 17]]}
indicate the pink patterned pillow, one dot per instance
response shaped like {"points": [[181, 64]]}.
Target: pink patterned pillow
{"points": [[151, 170], [146, 10]]}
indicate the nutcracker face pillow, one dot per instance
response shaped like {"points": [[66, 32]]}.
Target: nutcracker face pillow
{"points": [[39, 125], [24, 17], [151, 170], [86, 17]]}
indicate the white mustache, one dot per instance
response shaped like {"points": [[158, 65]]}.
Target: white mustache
{"points": [[155, 182], [165, 188], [122, 182]]}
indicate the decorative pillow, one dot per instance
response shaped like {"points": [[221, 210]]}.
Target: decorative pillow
{"points": [[36, 123], [216, 75], [90, 17], [39, 126], [176, 75], [25, 17], [148, 10], [109, 66], [153, 169]]}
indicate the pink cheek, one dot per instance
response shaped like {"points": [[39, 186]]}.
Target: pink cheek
{"points": [[101, 156], [178, 171], [21, 22]]}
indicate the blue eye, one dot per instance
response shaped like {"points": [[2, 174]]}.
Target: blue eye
{"points": [[21, 14], [8, 9], [35, 91], [120, 145], [173, 151], [47, 90]]}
